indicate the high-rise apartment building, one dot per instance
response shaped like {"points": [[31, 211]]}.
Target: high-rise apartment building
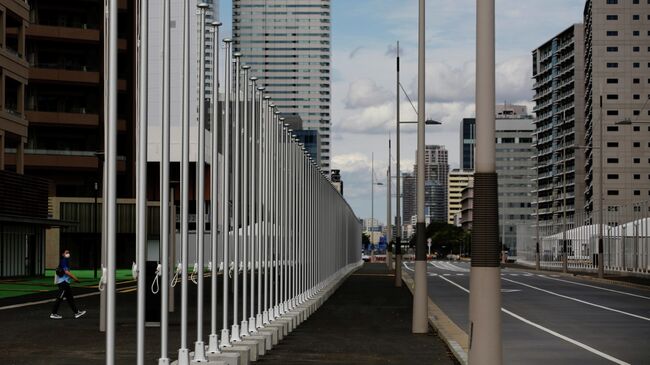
{"points": [[65, 96], [467, 143], [458, 181], [436, 171], [13, 79], [617, 90], [64, 104], [287, 45], [558, 71], [408, 197]]}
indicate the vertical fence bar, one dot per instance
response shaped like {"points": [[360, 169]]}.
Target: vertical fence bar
{"points": [[213, 340], [226, 128], [243, 328], [111, 196], [141, 176]]}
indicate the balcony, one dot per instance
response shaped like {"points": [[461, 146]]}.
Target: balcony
{"points": [[69, 119], [13, 122], [63, 33], [61, 75], [63, 160]]}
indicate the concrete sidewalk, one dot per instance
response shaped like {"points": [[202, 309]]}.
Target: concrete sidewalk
{"points": [[367, 321]]}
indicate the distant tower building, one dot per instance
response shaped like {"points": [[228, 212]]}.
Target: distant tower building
{"points": [[515, 167], [558, 70], [436, 169], [408, 197], [467, 143], [458, 181], [287, 45], [435, 202]]}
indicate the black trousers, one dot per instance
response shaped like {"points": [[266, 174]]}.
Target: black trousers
{"points": [[64, 291]]}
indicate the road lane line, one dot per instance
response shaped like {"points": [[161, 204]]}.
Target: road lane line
{"points": [[565, 338], [44, 301], [549, 331], [595, 287], [579, 300]]}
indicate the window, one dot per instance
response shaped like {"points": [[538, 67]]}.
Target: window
{"points": [[613, 81], [612, 160], [635, 1], [612, 2], [636, 49], [612, 176], [612, 96], [637, 128], [636, 112], [507, 140], [636, 81], [637, 144], [612, 112], [612, 192], [612, 49], [612, 64], [612, 128], [612, 33], [637, 192], [637, 176], [636, 96], [612, 144], [635, 17], [636, 33], [637, 160], [612, 17], [636, 65]]}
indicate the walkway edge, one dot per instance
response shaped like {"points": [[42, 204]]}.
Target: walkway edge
{"points": [[455, 338]]}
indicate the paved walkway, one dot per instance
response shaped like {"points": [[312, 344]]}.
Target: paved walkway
{"points": [[367, 321]]}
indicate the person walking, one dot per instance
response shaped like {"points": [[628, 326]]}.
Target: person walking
{"points": [[62, 280]]}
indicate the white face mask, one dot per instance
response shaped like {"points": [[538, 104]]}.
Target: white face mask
{"points": [[67, 255]]}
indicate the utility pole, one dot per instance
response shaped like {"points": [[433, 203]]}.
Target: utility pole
{"points": [[420, 323], [388, 210], [485, 279], [398, 211]]}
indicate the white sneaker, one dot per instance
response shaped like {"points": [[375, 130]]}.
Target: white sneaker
{"points": [[56, 316], [79, 314]]}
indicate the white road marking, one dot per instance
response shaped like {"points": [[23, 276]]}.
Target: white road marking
{"points": [[596, 287], [460, 274], [44, 301], [579, 300], [509, 290], [551, 332]]}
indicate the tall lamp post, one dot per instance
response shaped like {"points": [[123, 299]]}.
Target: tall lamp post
{"points": [[372, 201], [485, 279], [420, 323]]}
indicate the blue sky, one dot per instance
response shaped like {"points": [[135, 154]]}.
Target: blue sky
{"points": [[364, 33]]}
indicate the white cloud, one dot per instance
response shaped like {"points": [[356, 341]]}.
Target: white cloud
{"points": [[364, 93]]}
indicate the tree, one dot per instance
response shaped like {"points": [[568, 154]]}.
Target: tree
{"points": [[445, 238]]}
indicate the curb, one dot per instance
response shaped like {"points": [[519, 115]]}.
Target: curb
{"points": [[456, 339]]}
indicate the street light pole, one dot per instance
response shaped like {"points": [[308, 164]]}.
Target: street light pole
{"points": [[420, 303], [485, 278], [388, 209], [372, 203], [398, 211]]}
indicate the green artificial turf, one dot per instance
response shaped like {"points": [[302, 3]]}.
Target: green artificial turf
{"points": [[23, 286]]}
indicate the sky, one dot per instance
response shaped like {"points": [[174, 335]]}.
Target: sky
{"points": [[364, 37]]}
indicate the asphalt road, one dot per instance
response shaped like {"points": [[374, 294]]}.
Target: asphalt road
{"points": [[554, 319]]}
